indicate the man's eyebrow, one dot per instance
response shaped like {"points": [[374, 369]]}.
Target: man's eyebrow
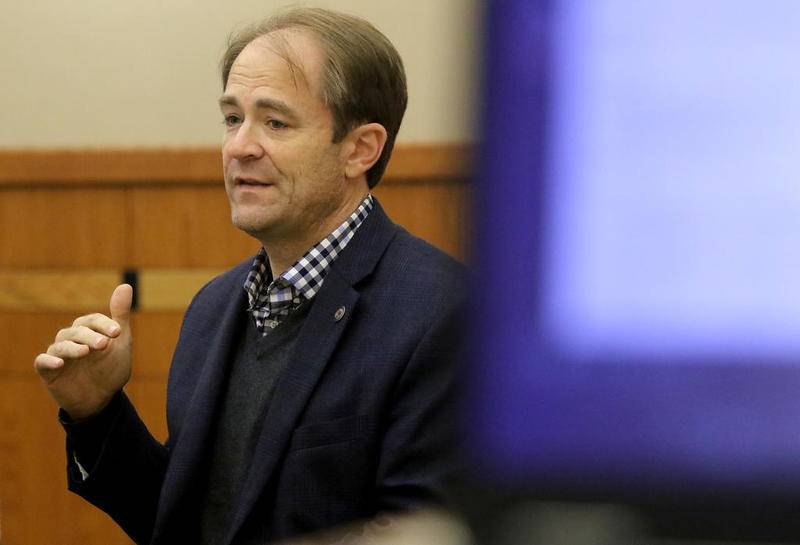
{"points": [[227, 100], [261, 103]]}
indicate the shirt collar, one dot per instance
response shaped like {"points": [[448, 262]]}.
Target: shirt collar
{"points": [[306, 276]]}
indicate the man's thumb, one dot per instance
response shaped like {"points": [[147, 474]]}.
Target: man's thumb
{"points": [[120, 304]]}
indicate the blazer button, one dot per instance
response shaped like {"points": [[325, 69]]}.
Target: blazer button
{"points": [[339, 314]]}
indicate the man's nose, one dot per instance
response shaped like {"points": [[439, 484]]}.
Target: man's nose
{"points": [[244, 143]]}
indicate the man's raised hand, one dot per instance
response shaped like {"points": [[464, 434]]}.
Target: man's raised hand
{"points": [[90, 361]]}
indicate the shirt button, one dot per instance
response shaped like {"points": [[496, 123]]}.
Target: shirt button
{"points": [[339, 314]]}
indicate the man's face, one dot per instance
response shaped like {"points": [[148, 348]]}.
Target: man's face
{"points": [[283, 175]]}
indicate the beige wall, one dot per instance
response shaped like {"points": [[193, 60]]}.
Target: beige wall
{"points": [[97, 73]]}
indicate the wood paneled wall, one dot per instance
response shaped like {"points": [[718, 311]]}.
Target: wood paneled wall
{"points": [[71, 222]]}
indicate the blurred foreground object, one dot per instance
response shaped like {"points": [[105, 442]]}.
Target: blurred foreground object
{"points": [[421, 528], [640, 209]]}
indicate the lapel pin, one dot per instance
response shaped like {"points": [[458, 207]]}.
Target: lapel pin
{"points": [[339, 314]]}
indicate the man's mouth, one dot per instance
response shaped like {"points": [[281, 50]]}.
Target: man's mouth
{"points": [[253, 182]]}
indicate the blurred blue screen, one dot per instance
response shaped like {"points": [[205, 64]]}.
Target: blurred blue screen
{"points": [[637, 287], [674, 208]]}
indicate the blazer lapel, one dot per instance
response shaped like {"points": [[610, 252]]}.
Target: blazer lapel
{"points": [[187, 453], [319, 336]]}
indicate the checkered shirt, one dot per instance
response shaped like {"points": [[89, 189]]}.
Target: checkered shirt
{"points": [[272, 300]]}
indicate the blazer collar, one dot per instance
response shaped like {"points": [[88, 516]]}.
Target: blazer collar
{"points": [[364, 251]]}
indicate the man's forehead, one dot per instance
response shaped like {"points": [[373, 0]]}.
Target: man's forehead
{"points": [[287, 51]]}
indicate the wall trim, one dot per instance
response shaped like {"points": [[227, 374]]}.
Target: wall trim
{"points": [[86, 290], [134, 166]]}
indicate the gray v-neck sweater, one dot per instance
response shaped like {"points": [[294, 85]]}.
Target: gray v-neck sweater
{"points": [[254, 371]]}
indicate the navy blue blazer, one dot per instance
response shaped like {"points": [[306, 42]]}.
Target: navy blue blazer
{"points": [[362, 420]]}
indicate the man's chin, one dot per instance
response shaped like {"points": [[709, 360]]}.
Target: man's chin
{"points": [[256, 227]]}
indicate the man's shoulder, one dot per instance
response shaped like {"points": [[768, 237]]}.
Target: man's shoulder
{"points": [[382, 254], [420, 262], [415, 282]]}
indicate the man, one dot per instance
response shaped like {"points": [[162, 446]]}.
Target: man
{"points": [[312, 386]]}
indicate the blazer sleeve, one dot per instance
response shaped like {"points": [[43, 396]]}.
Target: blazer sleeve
{"points": [[125, 480], [420, 452]]}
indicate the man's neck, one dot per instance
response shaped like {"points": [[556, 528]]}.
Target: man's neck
{"points": [[285, 253], [283, 256]]}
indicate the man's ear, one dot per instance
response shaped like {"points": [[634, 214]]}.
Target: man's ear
{"points": [[366, 144]]}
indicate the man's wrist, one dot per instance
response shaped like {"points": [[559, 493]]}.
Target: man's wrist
{"points": [[76, 415], [85, 438]]}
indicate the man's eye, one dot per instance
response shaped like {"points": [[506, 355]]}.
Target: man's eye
{"points": [[231, 120], [276, 124]]}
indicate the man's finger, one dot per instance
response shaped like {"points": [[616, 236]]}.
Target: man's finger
{"points": [[46, 362], [96, 322], [68, 350], [84, 335], [120, 304]]}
